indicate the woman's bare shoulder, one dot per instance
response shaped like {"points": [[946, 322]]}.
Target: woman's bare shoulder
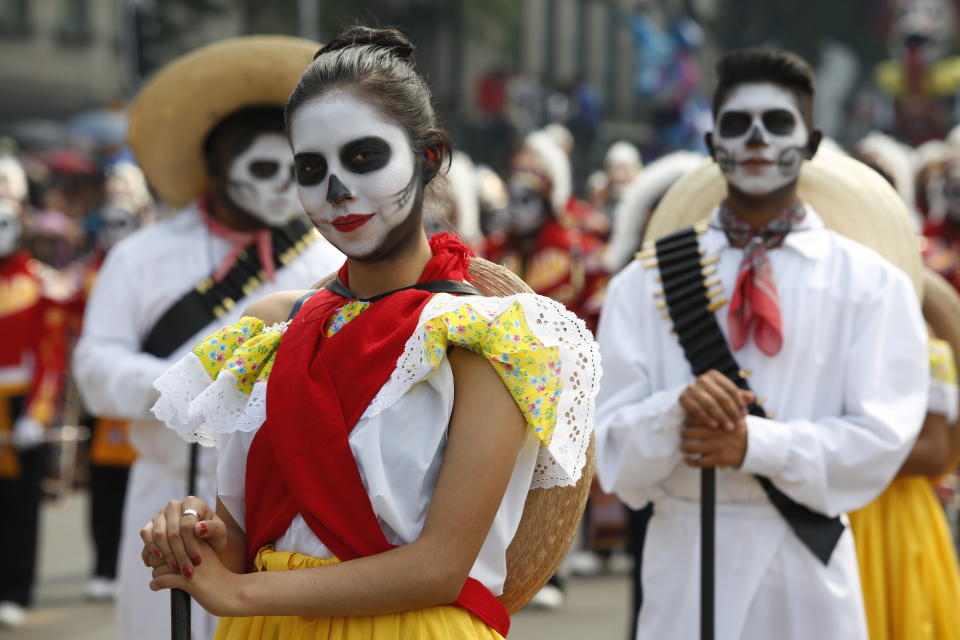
{"points": [[275, 307]]}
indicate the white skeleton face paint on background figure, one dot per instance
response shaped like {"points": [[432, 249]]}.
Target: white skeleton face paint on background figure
{"points": [[356, 172], [760, 138], [10, 230], [528, 210], [260, 180], [118, 223]]}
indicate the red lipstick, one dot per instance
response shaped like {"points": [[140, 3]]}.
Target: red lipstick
{"points": [[352, 222]]}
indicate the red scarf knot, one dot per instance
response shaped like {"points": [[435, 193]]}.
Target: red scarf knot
{"points": [[239, 240], [756, 304]]}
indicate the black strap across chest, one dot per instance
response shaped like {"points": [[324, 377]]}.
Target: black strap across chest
{"points": [[432, 286], [209, 300], [685, 291]]}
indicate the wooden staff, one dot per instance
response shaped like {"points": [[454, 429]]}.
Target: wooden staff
{"points": [[708, 524], [180, 599]]}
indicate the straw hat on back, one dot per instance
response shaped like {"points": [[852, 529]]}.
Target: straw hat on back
{"points": [[853, 200], [184, 101]]}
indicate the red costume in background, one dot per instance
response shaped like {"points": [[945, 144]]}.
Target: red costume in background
{"points": [[33, 316], [563, 264]]}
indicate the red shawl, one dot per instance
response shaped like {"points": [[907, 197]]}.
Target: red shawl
{"points": [[300, 460]]}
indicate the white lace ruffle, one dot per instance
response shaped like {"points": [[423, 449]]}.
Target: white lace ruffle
{"points": [[202, 411], [561, 463]]}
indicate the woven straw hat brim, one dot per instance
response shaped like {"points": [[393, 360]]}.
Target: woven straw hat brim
{"points": [[850, 197], [551, 517], [185, 100]]}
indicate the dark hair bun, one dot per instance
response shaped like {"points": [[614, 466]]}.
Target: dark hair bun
{"points": [[389, 38]]}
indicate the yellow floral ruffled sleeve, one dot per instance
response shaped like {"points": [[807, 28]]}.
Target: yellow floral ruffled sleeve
{"points": [[529, 368], [220, 386], [544, 355], [244, 349]]}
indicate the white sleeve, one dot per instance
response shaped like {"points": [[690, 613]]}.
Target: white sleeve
{"points": [[231, 474], [840, 463], [114, 376], [638, 431]]}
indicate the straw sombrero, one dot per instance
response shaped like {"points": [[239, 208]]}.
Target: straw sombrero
{"points": [[551, 517], [853, 200], [185, 100]]}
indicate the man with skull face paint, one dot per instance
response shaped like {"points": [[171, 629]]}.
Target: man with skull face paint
{"points": [[831, 338], [32, 322], [240, 233]]}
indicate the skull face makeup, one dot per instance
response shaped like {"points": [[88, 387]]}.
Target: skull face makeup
{"points": [[118, 223], [527, 209], [760, 138], [260, 180], [10, 229], [357, 176]]}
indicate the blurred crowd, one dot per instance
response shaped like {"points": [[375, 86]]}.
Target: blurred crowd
{"points": [[62, 210], [533, 199]]}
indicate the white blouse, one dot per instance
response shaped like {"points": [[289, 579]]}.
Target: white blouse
{"points": [[399, 442]]}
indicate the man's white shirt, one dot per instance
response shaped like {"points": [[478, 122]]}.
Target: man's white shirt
{"points": [[846, 394]]}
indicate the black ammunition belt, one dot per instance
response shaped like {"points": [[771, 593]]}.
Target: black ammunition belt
{"points": [[209, 300], [690, 301]]}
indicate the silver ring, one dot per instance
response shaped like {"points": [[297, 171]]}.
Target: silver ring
{"points": [[190, 512]]}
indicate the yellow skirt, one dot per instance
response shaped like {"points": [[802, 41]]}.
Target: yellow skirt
{"points": [[908, 565], [433, 623]]}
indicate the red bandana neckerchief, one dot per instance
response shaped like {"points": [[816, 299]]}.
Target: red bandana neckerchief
{"points": [[756, 304], [300, 460], [239, 240]]}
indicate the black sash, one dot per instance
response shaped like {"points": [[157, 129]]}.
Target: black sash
{"points": [[209, 300], [431, 286], [679, 259]]}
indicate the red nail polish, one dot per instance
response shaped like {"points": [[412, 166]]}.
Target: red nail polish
{"points": [[201, 529], [188, 572], [158, 553], [175, 567], [197, 561]]}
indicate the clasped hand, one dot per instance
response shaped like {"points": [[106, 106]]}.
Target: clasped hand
{"points": [[182, 551], [714, 433]]}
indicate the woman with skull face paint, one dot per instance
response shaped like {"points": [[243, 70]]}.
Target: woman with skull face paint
{"points": [[376, 494], [830, 337], [32, 366]]}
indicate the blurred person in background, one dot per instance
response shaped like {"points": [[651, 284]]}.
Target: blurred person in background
{"points": [[621, 164], [543, 243], [32, 364], [938, 200], [922, 77], [111, 454], [908, 563], [207, 131]]}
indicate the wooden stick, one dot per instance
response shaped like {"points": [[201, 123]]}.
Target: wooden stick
{"points": [[708, 522], [179, 599]]}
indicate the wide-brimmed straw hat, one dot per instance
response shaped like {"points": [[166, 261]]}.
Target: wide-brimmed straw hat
{"points": [[184, 101], [850, 197], [551, 517]]}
